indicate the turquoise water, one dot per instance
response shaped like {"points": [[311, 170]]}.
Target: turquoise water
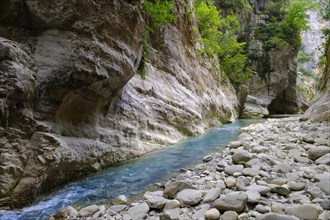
{"points": [[132, 176]]}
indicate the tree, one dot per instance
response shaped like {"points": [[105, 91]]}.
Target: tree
{"points": [[218, 38]]}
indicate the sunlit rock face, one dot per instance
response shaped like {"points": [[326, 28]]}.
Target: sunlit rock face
{"points": [[71, 98], [272, 88], [320, 108]]}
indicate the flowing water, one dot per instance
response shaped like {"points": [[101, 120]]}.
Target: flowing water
{"points": [[132, 176]]}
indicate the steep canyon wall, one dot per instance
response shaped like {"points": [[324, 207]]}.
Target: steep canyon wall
{"points": [[71, 98]]}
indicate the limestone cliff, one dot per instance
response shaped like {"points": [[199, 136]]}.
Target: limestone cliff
{"points": [[320, 108], [71, 101], [272, 87]]}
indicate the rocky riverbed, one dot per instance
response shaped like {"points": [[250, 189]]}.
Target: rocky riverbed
{"points": [[277, 170]]}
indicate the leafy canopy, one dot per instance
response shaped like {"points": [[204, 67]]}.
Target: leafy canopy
{"points": [[288, 21], [159, 12], [218, 37]]}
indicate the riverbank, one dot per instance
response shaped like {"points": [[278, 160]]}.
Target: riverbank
{"points": [[276, 170]]}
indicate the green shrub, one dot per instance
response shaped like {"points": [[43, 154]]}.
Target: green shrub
{"points": [[142, 69], [218, 38], [285, 22], [303, 57], [159, 12], [292, 23]]}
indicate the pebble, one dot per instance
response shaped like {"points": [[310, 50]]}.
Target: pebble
{"points": [[212, 195], [88, 211], [229, 215], [212, 214], [278, 170], [189, 196], [230, 170], [231, 203], [305, 211]]}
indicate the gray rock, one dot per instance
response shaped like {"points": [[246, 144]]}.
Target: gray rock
{"points": [[322, 176], [324, 216], [172, 188], [155, 201], [231, 203], [229, 215], [212, 214], [172, 204], [139, 211], [230, 182], [172, 214], [309, 139], [245, 136], [250, 172], [324, 185], [296, 186], [253, 162], [318, 151], [325, 204], [241, 157], [321, 141], [300, 159], [263, 190], [115, 209], [325, 159], [305, 211], [240, 184], [264, 174], [275, 216], [234, 144], [99, 213], [207, 158], [315, 192], [262, 209], [230, 170], [189, 196], [253, 196], [284, 191], [212, 195], [66, 213], [199, 213], [88, 211], [283, 168], [259, 149], [243, 216]]}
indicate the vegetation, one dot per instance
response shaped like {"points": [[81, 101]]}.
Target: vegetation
{"points": [[286, 21], [159, 12], [324, 65], [303, 57], [233, 6], [218, 38], [142, 69]]}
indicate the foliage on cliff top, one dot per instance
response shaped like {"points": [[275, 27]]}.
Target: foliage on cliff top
{"points": [[286, 21], [218, 37], [159, 12]]}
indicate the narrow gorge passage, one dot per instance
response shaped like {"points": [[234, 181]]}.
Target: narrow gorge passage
{"points": [[133, 176]]}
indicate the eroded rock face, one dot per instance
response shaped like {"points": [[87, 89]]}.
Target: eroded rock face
{"points": [[320, 108], [71, 101], [272, 88]]}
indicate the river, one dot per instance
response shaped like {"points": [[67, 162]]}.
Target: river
{"points": [[133, 176]]}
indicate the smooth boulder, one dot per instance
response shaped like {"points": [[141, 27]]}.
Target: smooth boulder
{"points": [[231, 203]]}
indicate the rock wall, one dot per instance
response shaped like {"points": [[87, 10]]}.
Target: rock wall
{"points": [[320, 108], [71, 101], [272, 87]]}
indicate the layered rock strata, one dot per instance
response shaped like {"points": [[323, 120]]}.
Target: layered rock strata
{"points": [[272, 87], [320, 108], [71, 101]]}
